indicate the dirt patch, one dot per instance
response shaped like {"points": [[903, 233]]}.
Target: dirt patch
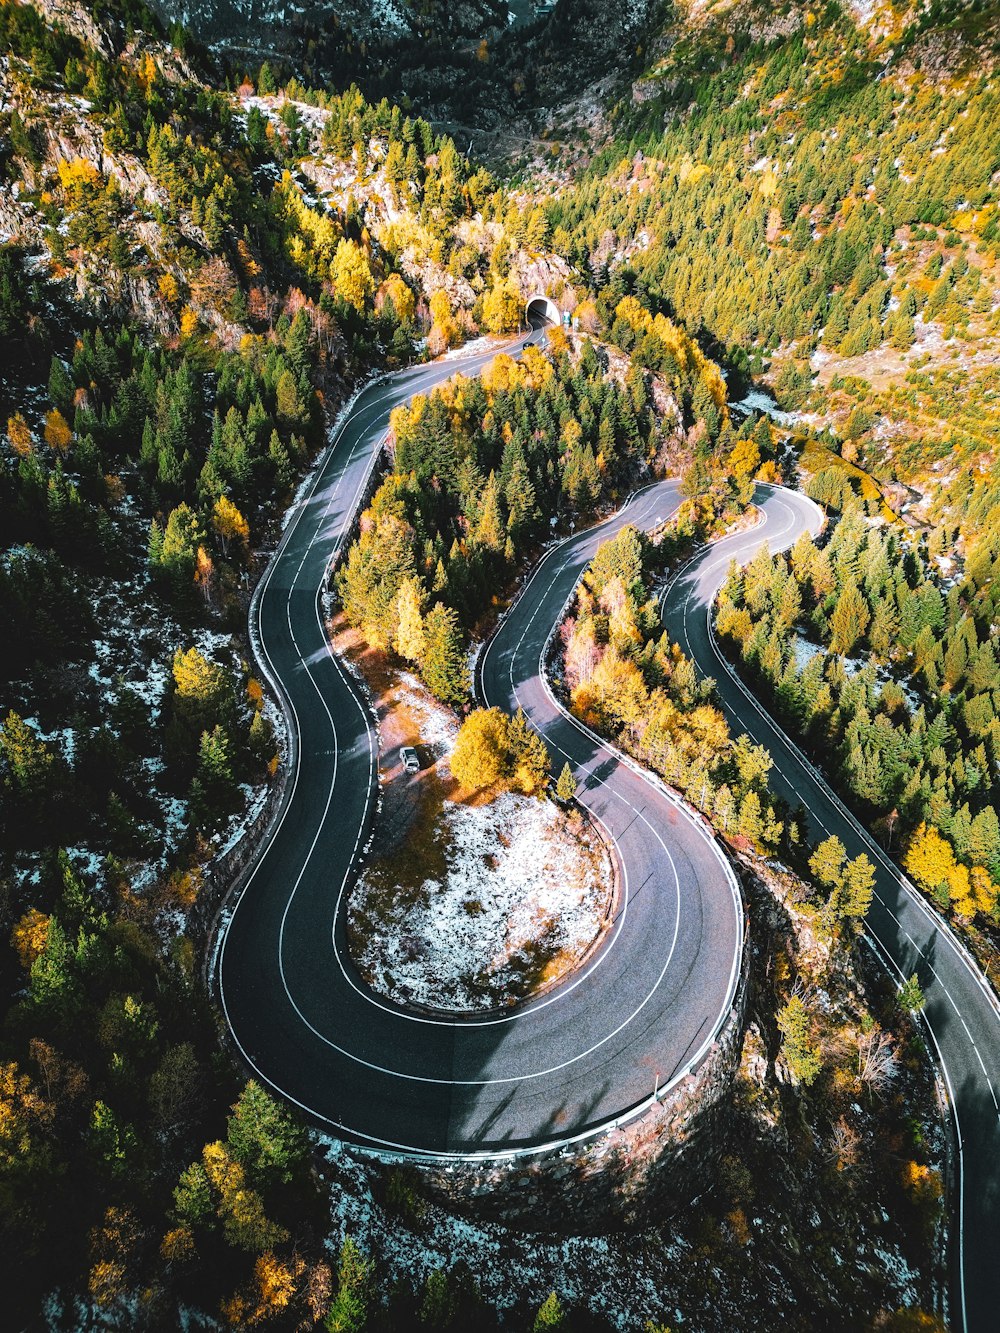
{"points": [[467, 903], [885, 366], [407, 715]]}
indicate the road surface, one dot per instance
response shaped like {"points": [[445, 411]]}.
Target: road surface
{"points": [[647, 1004], [643, 1010], [962, 1015]]}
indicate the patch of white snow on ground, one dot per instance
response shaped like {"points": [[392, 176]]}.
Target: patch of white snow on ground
{"points": [[520, 886], [759, 401], [613, 1277], [805, 650], [471, 348], [387, 14], [254, 802], [86, 862], [153, 689], [211, 644], [438, 726]]}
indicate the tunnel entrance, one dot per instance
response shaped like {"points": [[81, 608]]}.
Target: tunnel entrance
{"points": [[542, 310]]}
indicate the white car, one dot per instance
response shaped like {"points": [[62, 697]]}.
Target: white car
{"points": [[409, 758]]}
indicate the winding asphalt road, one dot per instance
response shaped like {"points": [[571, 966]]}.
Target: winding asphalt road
{"points": [[649, 1002], [643, 1010], [962, 1015]]}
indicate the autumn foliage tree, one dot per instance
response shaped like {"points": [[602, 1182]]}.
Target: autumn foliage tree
{"points": [[29, 936], [58, 435], [502, 308], [351, 274], [493, 750], [627, 680], [410, 639], [931, 861], [229, 524], [798, 1047], [19, 435], [566, 785], [550, 1315], [444, 332]]}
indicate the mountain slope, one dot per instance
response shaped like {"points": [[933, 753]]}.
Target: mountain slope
{"points": [[818, 192]]}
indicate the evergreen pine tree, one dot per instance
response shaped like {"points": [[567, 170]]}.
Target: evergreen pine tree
{"points": [[849, 620], [444, 666], [911, 996], [265, 1138]]}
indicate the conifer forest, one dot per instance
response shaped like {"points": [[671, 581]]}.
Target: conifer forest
{"points": [[499, 670]]}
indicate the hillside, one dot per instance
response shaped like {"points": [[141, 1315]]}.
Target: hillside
{"points": [[816, 192], [194, 278], [337, 38], [193, 281]]}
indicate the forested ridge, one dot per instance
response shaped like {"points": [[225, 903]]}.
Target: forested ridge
{"points": [[895, 684], [623, 676], [183, 308], [816, 192], [480, 468], [619, 672]]}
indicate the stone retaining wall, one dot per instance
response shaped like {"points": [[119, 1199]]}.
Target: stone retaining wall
{"points": [[223, 873]]}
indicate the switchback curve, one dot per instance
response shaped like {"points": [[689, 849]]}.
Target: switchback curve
{"points": [[642, 1011]]}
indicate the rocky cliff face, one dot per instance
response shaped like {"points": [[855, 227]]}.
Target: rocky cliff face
{"points": [[287, 27], [470, 64]]}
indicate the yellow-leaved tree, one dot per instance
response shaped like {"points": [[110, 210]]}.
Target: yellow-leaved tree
{"points": [[77, 175], [394, 289], [203, 694], [480, 755], [244, 1221], [744, 460], [931, 861], [58, 435], [410, 639], [29, 937], [276, 1282], [19, 434], [229, 524], [351, 274], [494, 750], [502, 308], [25, 1121], [168, 288], [204, 574], [444, 328]]}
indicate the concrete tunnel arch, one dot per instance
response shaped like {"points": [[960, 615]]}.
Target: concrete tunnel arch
{"points": [[543, 305]]}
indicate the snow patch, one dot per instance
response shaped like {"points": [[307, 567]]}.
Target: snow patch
{"points": [[759, 401], [613, 1277], [438, 726], [519, 887]]}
